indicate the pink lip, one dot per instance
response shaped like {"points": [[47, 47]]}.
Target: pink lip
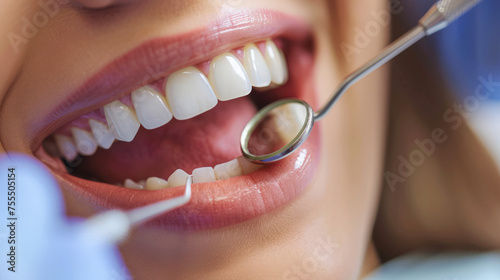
{"points": [[158, 57], [215, 204]]}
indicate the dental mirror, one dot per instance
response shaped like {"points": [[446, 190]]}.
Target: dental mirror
{"points": [[281, 127], [277, 130]]}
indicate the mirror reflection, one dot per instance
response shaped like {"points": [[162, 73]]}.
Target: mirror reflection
{"points": [[278, 128]]}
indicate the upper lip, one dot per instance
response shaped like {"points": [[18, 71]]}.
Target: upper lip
{"points": [[158, 57]]}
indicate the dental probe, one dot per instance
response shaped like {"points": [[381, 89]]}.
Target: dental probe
{"points": [[114, 225], [442, 14], [293, 119]]}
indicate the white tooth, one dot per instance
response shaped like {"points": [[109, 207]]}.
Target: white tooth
{"points": [[132, 185], [155, 183], [178, 178], [66, 147], [228, 77], [102, 134], [203, 175], [189, 93], [228, 170], [85, 143], [276, 62], [122, 121], [248, 167], [256, 66], [151, 108]]}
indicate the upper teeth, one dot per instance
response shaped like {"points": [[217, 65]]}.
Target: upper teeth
{"points": [[122, 120], [102, 134], [151, 108], [188, 93], [85, 143], [228, 77], [255, 64], [66, 147]]}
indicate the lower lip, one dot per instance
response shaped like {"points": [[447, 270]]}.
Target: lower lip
{"points": [[217, 204]]}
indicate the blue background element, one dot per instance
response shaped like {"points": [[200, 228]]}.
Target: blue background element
{"points": [[468, 48]]}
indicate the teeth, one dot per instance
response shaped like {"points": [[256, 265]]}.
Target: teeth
{"points": [[256, 66], [189, 93], [85, 143], [203, 175], [236, 167], [229, 78], [247, 167], [178, 178], [151, 108], [276, 62], [132, 185], [228, 170], [155, 183], [122, 121], [66, 146], [102, 134]]}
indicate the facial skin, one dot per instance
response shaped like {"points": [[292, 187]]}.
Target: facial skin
{"points": [[322, 234]]}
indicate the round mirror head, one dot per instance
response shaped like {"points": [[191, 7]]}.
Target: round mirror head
{"points": [[277, 130]]}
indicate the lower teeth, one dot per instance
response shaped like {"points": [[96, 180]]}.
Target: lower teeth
{"points": [[236, 167]]}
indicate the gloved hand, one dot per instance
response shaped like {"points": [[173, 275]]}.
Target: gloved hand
{"points": [[48, 245]]}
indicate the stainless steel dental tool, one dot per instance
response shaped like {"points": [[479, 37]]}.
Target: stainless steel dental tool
{"points": [[113, 226], [281, 127]]}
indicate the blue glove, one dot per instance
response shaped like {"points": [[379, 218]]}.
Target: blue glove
{"points": [[47, 245]]}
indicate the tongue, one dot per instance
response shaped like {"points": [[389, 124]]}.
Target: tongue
{"points": [[207, 140]]}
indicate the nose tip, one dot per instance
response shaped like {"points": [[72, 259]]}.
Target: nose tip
{"points": [[97, 4]]}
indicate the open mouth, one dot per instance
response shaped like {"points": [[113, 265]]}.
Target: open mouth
{"points": [[137, 147]]}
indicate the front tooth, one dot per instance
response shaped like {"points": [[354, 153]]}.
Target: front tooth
{"points": [[203, 175], [229, 78], [228, 170], [256, 66], [247, 167], [102, 134], [132, 185], [66, 147], [151, 108], [178, 178], [189, 93], [85, 143], [122, 121], [276, 62], [155, 183]]}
